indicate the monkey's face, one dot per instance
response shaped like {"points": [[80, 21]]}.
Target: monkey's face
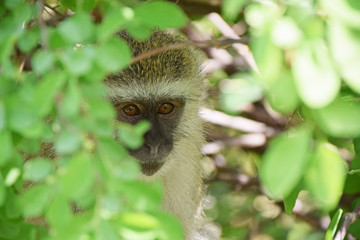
{"points": [[163, 116]]}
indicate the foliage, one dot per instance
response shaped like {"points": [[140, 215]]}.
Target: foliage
{"points": [[51, 91], [60, 99], [307, 55]]}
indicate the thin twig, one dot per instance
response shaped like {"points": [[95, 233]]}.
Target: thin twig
{"points": [[224, 42], [42, 25], [349, 218], [236, 122]]}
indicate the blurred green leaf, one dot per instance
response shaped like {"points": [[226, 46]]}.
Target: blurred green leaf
{"points": [[170, 227], [58, 214], [37, 169], [325, 176], [344, 44], [316, 79], [132, 136], [285, 161], [35, 199], [231, 9], [42, 61], [2, 192], [46, 90], [105, 231], [142, 221], [29, 40], [6, 146], [113, 21], [346, 11], [70, 103], [285, 33], [77, 28], [101, 109], [67, 142], [77, 5], [340, 118], [2, 114], [78, 61], [77, 180], [8, 229], [113, 55], [160, 14], [238, 92], [282, 94]]}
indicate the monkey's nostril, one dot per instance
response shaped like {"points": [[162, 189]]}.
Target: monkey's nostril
{"points": [[154, 146]]}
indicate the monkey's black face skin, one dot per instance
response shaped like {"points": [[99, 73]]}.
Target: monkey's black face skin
{"points": [[158, 141]]}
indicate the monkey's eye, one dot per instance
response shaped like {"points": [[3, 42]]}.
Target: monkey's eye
{"points": [[166, 108], [131, 110]]}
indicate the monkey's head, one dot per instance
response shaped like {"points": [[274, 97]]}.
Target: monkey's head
{"points": [[164, 89]]}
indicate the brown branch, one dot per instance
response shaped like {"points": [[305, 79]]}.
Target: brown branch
{"points": [[42, 25], [349, 218], [218, 43], [236, 122]]}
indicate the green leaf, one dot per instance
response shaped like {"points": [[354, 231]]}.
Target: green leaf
{"points": [[77, 5], [231, 9], [113, 21], [42, 61], [70, 104], [6, 148], [58, 214], [29, 40], [334, 224], [113, 55], [46, 90], [285, 33], [325, 176], [2, 114], [78, 177], [313, 70], [79, 61], [34, 200], [132, 136], [290, 200], [105, 231], [160, 14], [282, 94], [344, 44], [56, 40], [37, 169], [101, 109], [8, 229], [2, 192], [170, 227], [347, 11], [284, 163], [139, 220], [340, 118], [237, 93], [67, 142], [78, 28]]}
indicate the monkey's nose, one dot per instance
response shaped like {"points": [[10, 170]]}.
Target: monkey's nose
{"points": [[154, 146]]}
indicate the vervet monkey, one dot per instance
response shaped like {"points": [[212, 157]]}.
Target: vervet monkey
{"points": [[166, 90]]}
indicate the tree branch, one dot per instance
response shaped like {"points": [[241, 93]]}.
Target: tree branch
{"points": [[349, 218], [218, 43]]}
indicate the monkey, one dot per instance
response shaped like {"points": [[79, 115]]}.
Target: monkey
{"points": [[166, 89]]}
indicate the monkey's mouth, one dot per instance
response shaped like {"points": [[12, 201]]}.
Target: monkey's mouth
{"points": [[150, 168]]}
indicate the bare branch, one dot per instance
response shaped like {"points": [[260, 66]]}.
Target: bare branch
{"points": [[42, 25], [223, 42], [349, 218], [239, 123]]}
